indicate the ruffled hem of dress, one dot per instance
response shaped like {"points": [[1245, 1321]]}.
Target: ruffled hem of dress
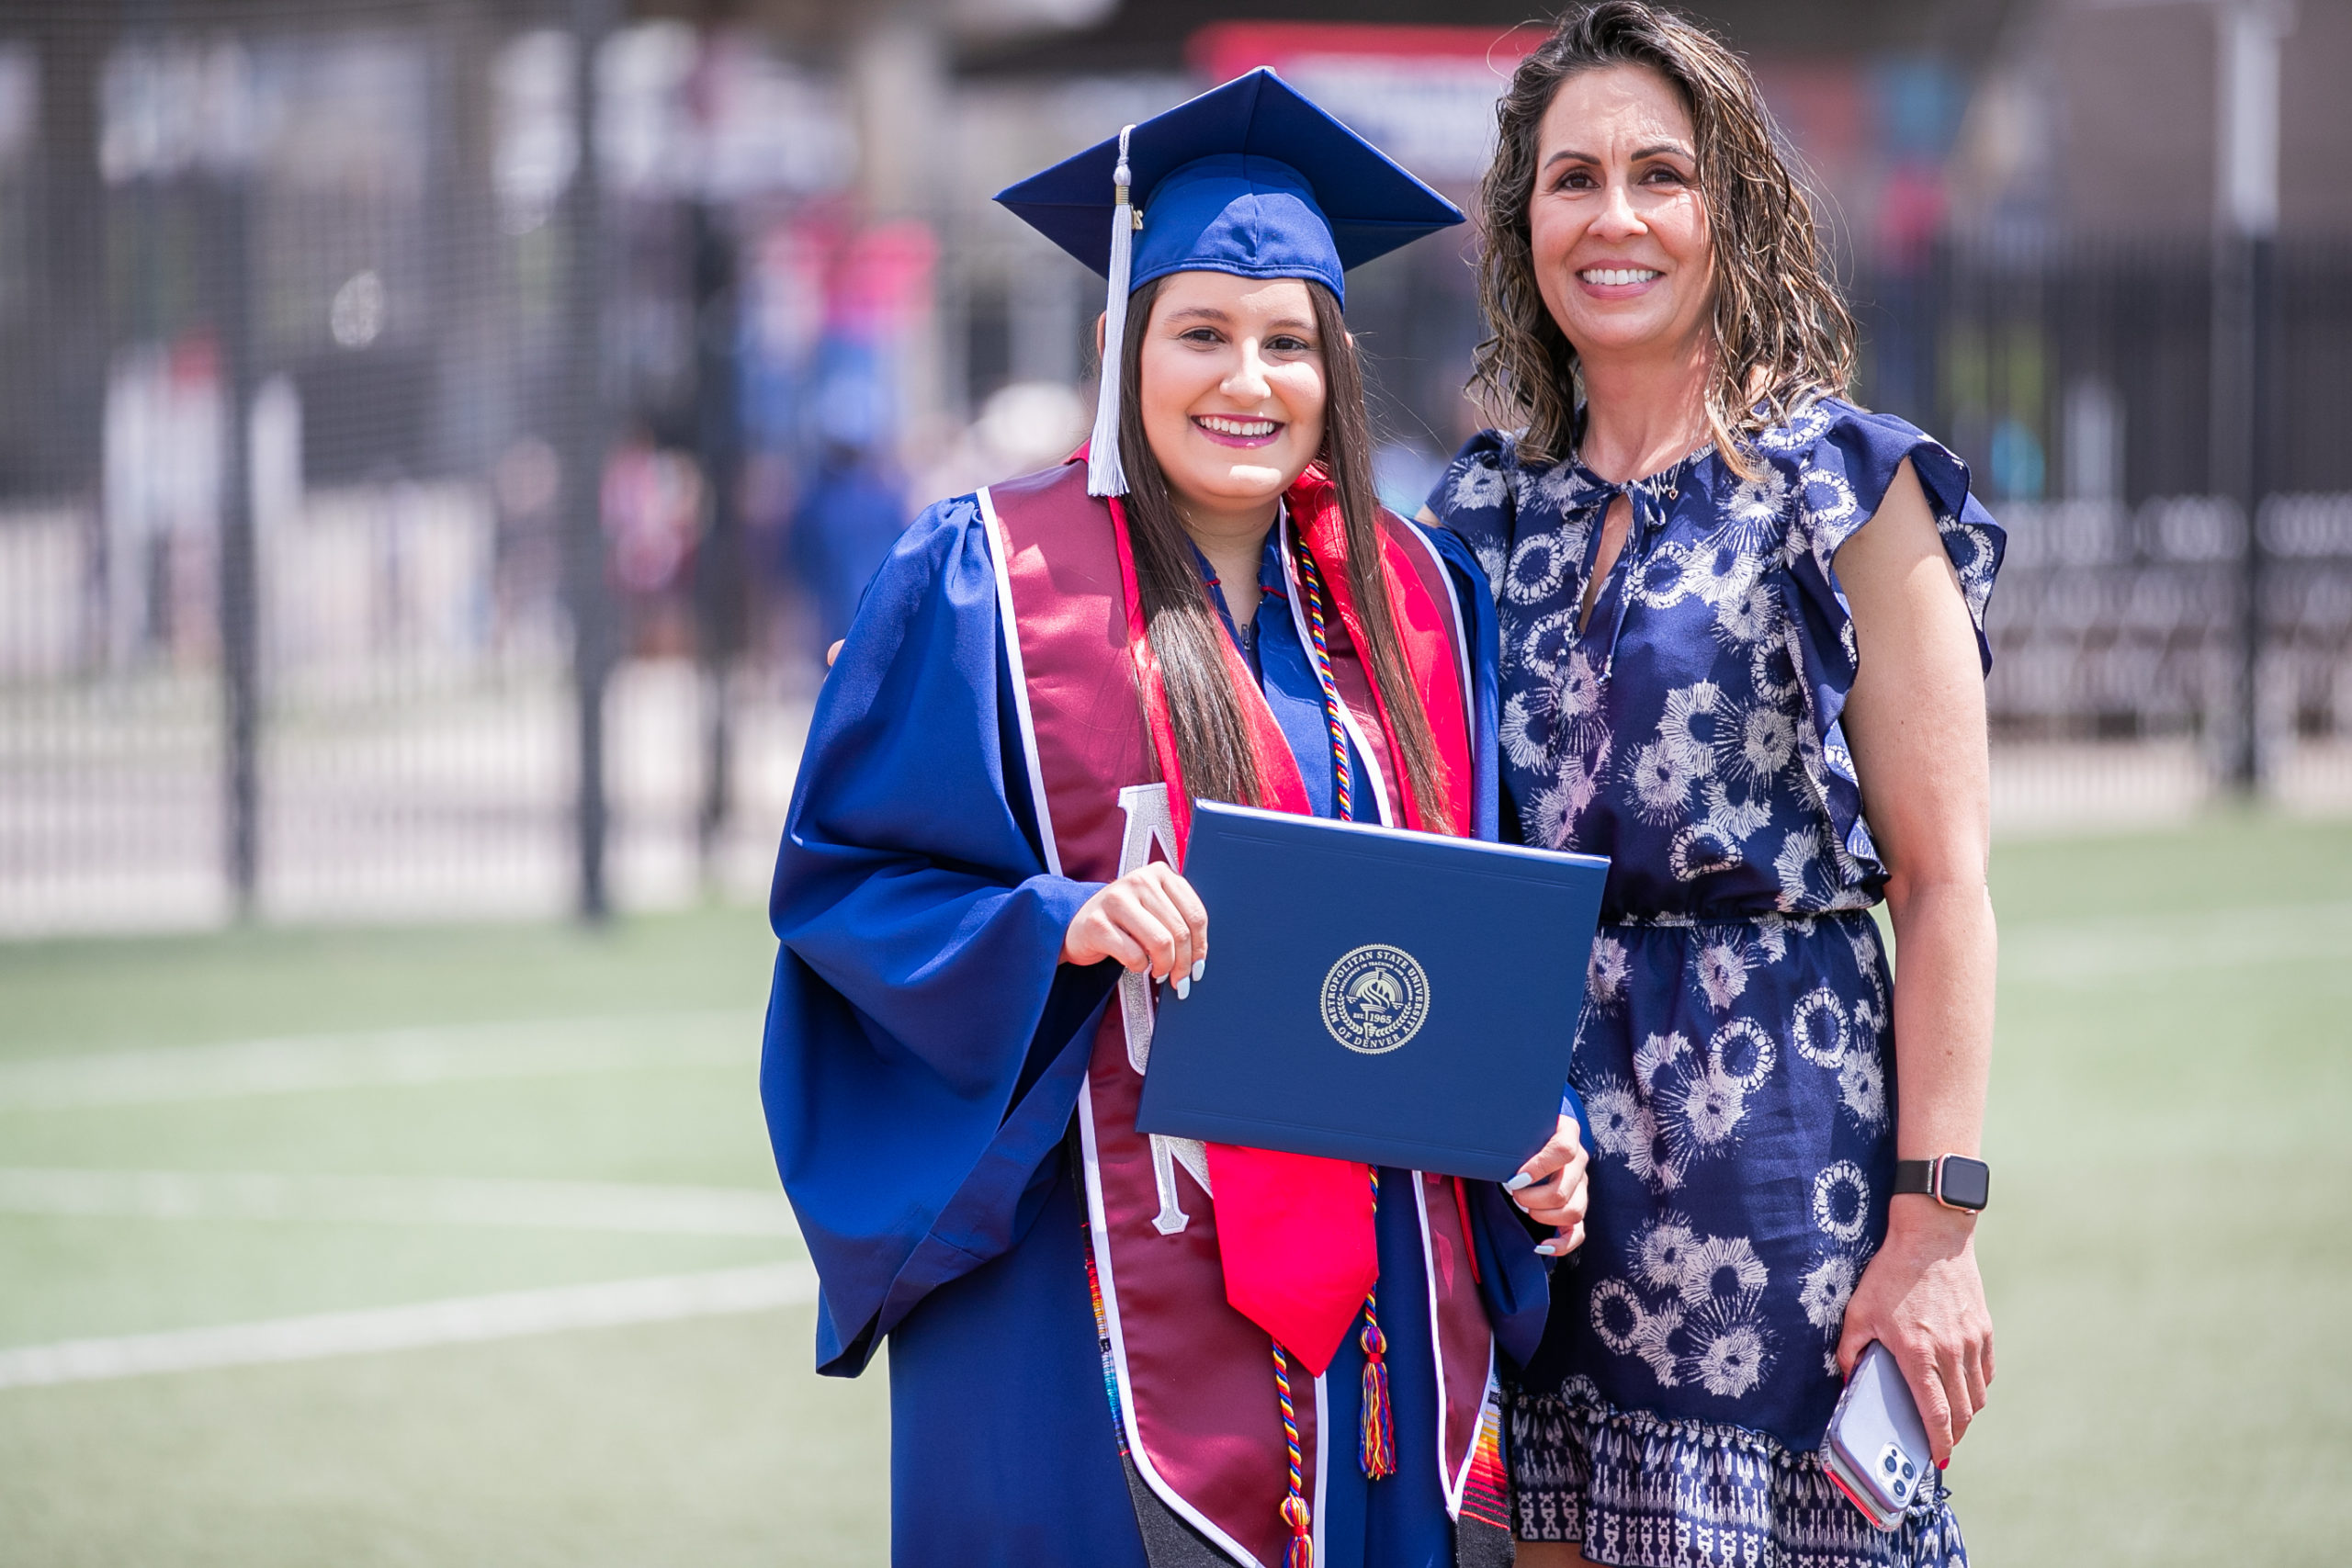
{"points": [[1642, 1492]]}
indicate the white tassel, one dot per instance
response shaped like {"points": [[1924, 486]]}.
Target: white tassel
{"points": [[1105, 475]]}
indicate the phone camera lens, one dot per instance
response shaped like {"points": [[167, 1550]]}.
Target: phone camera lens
{"points": [[1901, 1487]]}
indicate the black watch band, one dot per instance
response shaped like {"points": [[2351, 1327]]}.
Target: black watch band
{"points": [[1954, 1181]]}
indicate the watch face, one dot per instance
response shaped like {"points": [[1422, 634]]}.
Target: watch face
{"points": [[1966, 1183]]}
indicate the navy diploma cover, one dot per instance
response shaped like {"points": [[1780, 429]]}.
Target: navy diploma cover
{"points": [[1373, 994]]}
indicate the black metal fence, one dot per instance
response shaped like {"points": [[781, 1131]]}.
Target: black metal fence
{"points": [[2127, 408], [370, 524], [404, 514]]}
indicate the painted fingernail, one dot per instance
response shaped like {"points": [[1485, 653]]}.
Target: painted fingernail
{"points": [[1519, 1183], [1199, 964], [1183, 988], [1548, 1249]]}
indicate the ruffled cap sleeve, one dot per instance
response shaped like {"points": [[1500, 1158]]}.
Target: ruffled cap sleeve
{"points": [[1839, 461]]}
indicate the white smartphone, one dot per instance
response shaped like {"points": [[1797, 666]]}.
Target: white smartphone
{"points": [[1876, 1450]]}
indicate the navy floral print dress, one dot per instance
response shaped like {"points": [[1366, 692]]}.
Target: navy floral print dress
{"points": [[1737, 1055]]}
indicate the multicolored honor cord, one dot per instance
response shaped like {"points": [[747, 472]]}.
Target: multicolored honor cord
{"points": [[1376, 1439], [1310, 578], [1300, 1553], [1376, 1436]]}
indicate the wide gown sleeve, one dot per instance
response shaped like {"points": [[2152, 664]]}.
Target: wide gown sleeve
{"points": [[924, 1045]]}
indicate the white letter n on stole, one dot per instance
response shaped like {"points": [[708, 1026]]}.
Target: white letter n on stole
{"points": [[1149, 822]]}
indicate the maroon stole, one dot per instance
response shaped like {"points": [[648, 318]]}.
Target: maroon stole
{"points": [[1193, 1377]]}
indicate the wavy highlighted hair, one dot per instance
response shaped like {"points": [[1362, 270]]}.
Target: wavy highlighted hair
{"points": [[1782, 337]]}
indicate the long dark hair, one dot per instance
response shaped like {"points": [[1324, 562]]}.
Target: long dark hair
{"points": [[1212, 744], [1782, 335]]}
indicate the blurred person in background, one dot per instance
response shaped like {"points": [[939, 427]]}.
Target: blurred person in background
{"points": [[1108, 1349], [1741, 656], [853, 511], [652, 508]]}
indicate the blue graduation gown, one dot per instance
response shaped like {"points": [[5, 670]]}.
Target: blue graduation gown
{"points": [[924, 1050]]}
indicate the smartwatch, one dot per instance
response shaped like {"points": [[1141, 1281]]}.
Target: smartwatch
{"points": [[1954, 1181]]}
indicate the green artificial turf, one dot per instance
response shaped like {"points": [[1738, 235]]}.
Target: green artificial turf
{"points": [[102, 994], [708, 1441], [689, 1443], [2169, 1253]]}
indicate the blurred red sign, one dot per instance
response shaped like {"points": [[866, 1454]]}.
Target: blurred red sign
{"points": [[1225, 49], [1423, 96]]}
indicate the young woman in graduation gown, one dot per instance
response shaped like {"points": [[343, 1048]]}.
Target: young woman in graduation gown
{"points": [[1105, 1347]]}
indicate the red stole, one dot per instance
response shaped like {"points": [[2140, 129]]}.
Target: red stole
{"points": [[1193, 1379]]}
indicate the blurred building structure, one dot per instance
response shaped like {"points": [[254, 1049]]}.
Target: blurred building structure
{"points": [[396, 502]]}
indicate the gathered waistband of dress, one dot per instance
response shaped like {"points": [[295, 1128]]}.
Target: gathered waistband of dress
{"points": [[1768, 919]]}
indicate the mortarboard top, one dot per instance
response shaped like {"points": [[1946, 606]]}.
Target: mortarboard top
{"points": [[1282, 168], [1249, 178]]}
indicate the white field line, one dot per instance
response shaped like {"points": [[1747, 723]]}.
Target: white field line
{"points": [[2092, 952], [403, 1200], [459, 1321], [535, 1048]]}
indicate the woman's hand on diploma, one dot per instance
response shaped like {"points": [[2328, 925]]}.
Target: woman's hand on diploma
{"points": [[1550, 1188], [1149, 919]]}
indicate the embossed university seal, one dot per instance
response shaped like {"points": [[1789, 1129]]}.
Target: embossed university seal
{"points": [[1375, 999]]}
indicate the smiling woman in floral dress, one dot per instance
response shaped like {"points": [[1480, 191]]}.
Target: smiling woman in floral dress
{"points": [[1741, 656]]}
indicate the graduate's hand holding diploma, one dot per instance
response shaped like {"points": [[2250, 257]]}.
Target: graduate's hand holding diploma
{"points": [[1550, 1188], [1150, 919]]}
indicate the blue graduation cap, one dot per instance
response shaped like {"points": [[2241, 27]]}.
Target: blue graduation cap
{"points": [[1249, 178]]}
